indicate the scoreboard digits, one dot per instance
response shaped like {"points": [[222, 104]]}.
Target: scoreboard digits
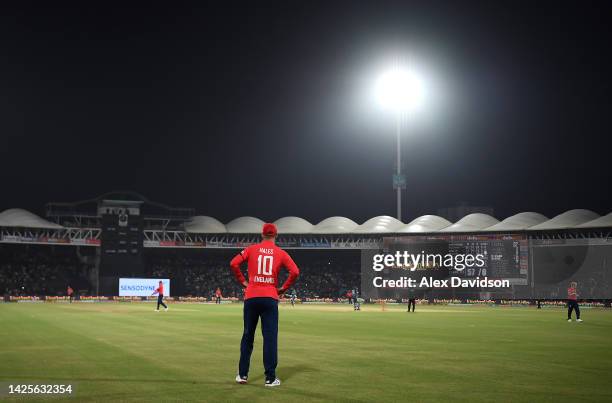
{"points": [[505, 255]]}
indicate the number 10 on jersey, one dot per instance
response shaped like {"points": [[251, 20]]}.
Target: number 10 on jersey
{"points": [[264, 265]]}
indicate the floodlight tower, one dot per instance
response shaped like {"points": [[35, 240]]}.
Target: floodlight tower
{"points": [[400, 91]]}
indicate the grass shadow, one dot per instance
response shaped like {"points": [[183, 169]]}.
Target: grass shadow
{"points": [[292, 370], [284, 372]]}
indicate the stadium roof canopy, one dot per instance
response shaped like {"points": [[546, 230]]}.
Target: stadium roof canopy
{"points": [[293, 225], [426, 223], [335, 225], [245, 225], [569, 219], [380, 224], [472, 222], [520, 221], [527, 221], [603, 221], [205, 225], [24, 219]]}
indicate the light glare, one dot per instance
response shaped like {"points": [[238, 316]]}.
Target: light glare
{"points": [[399, 90]]}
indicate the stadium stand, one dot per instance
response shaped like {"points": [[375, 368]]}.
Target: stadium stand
{"points": [[42, 270], [42, 255], [198, 273]]}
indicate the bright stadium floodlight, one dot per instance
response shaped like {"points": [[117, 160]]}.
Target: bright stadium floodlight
{"points": [[401, 91]]}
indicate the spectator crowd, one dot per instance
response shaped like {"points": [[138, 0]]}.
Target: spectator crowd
{"points": [[198, 273], [40, 270], [37, 270]]}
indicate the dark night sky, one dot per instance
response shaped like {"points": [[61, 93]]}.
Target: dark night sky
{"points": [[254, 109]]}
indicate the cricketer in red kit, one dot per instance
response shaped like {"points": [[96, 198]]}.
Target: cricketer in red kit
{"points": [[265, 261], [218, 295], [160, 296]]}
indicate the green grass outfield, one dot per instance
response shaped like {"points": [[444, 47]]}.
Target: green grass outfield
{"points": [[127, 352]]}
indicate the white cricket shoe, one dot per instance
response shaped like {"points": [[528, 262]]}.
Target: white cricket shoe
{"points": [[271, 384], [569, 320], [241, 380], [578, 320], [166, 308], [156, 310]]}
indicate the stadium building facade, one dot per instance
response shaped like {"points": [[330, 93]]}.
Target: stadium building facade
{"points": [[119, 226]]}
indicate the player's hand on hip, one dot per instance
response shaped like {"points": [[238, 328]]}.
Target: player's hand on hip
{"points": [[245, 284], [281, 290]]}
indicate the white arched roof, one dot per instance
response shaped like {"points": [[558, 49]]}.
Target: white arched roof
{"points": [[17, 217], [293, 225], [425, 223], [380, 224], [603, 221], [519, 221], [472, 222], [569, 219], [245, 225], [205, 225], [335, 225], [476, 222]]}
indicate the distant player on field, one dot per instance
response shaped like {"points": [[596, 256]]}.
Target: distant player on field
{"points": [[293, 296], [264, 260], [160, 296], [70, 293], [572, 303], [218, 295], [349, 295], [411, 299]]}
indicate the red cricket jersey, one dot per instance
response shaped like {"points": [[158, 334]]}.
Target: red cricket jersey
{"points": [[264, 260], [571, 293], [160, 289]]}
